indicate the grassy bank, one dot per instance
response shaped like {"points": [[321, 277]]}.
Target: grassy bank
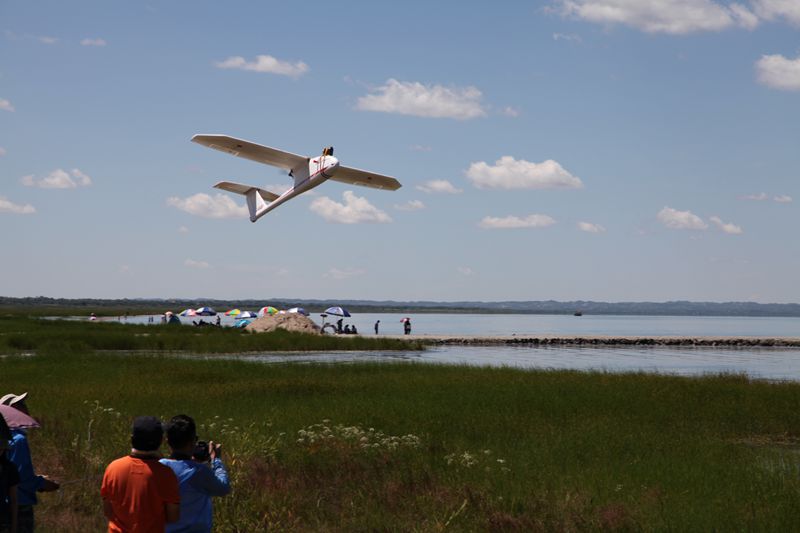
{"points": [[20, 334], [428, 448]]}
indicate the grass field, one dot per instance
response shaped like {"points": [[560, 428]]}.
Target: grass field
{"points": [[412, 447]]}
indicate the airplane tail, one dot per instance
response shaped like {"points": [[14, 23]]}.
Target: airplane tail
{"points": [[255, 204], [256, 198]]}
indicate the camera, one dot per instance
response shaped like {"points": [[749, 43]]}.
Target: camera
{"points": [[200, 453]]}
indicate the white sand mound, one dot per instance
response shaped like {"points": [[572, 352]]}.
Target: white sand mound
{"points": [[287, 321]]}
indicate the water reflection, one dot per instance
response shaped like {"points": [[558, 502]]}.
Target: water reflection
{"points": [[767, 363]]}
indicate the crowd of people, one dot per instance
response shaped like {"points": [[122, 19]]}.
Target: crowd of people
{"points": [[141, 491]]}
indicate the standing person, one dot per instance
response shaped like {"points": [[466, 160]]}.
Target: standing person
{"points": [[198, 482], [377, 325], [140, 495], [407, 326], [20, 454], [9, 480]]}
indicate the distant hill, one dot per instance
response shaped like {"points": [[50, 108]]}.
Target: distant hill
{"points": [[676, 308]]}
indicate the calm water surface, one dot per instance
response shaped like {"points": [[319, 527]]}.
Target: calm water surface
{"points": [[760, 363]]}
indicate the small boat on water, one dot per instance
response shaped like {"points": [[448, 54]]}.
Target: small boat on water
{"points": [[577, 313]]}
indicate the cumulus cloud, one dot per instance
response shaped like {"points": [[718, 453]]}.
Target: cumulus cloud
{"points": [[760, 197], [439, 186], [414, 98], [509, 111], [355, 209], [191, 263], [5, 105], [344, 273], [411, 205], [779, 72], [673, 17], [783, 199], [774, 9], [265, 63], [7, 206], [674, 219], [58, 179], [93, 42], [207, 206], [571, 37], [509, 173], [511, 222], [588, 227], [729, 228]]}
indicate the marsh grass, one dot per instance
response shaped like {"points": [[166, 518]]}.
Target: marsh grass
{"points": [[428, 448], [20, 334]]}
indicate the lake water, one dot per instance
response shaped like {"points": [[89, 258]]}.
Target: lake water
{"points": [[760, 363]]}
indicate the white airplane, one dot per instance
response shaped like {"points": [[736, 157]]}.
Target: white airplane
{"points": [[307, 172]]}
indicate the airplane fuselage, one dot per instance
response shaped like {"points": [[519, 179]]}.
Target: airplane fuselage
{"points": [[319, 170]]}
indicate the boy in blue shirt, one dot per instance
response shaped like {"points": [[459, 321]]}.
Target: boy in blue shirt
{"points": [[197, 480]]}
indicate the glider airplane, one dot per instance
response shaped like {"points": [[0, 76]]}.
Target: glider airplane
{"points": [[307, 172]]}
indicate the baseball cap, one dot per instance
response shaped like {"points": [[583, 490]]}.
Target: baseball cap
{"points": [[146, 433]]}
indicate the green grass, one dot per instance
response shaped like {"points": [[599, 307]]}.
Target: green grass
{"points": [[20, 334], [489, 449]]}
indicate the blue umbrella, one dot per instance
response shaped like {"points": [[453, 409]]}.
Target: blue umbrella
{"points": [[337, 311], [242, 322], [205, 311]]}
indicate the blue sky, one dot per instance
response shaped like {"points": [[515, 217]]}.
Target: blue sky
{"points": [[618, 150]]}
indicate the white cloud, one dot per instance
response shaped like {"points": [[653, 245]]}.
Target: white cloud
{"points": [[729, 228], [510, 222], [778, 72], [58, 179], [571, 37], [673, 17], [93, 42], [204, 205], [191, 263], [772, 9], [760, 197], [5, 105], [439, 186], [588, 227], [265, 63], [509, 111], [674, 219], [344, 273], [354, 210], [420, 148], [783, 199], [414, 98], [278, 188], [508, 173], [465, 271], [411, 205], [47, 40], [7, 206]]}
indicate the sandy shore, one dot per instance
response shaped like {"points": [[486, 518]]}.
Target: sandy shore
{"points": [[603, 340]]}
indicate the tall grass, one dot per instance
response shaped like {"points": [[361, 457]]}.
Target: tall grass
{"points": [[22, 334], [428, 448]]}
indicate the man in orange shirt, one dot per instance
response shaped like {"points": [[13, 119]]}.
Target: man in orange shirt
{"points": [[140, 495]]}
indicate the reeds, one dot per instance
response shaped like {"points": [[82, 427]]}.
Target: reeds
{"points": [[427, 448]]}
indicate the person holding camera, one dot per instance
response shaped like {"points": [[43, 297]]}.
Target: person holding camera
{"points": [[198, 479]]}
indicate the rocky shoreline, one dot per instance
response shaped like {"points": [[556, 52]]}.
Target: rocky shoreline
{"points": [[584, 340]]}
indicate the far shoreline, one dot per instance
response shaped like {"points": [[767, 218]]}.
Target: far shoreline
{"points": [[606, 340]]}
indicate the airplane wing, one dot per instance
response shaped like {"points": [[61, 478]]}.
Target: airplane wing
{"points": [[239, 188], [355, 176], [251, 151]]}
